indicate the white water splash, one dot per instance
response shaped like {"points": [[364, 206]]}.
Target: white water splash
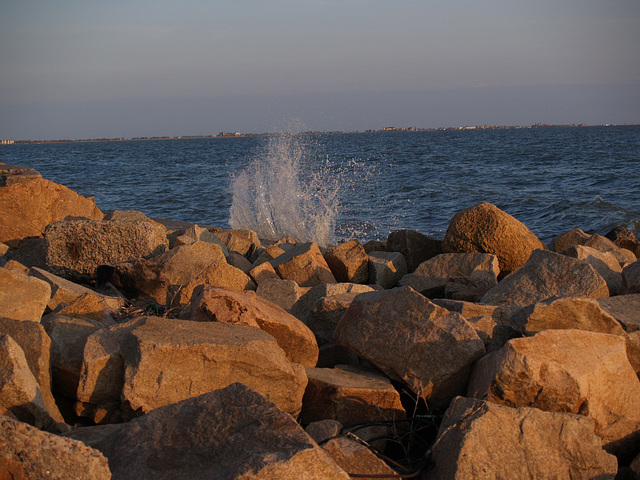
{"points": [[285, 192]]}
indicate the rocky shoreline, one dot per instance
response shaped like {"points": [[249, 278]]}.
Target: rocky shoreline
{"points": [[140, 348]]}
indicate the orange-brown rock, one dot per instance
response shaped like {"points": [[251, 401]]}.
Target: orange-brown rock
{"points": [[284, 293], [358, 460], [605, 263], [349, 262], [27, 208], [305, 265], [572, 238], [22, 297], [414, 247], [386, 268], [484, 228]]}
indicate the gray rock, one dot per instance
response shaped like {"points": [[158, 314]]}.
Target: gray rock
{"points": [[414, 247], [386, 268], [631, 277]]}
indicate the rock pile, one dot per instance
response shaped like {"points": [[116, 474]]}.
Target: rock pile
{"points": [[135, 348]]}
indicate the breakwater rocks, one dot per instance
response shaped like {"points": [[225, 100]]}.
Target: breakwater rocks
{"points": [[135, 348]]}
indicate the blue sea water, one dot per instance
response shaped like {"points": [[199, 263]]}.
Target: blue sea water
{"points": [[552, 179]]}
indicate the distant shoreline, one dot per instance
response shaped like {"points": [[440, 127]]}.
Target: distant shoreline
{"points": [[337, 132]]}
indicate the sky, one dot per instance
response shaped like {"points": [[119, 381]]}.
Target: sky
{"points": [[86, 69]]}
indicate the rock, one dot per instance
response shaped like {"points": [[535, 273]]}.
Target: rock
{"points": [[625, 309], [87, 306], [433, 277], [36, 345], [350, 396], [76, 248], [414, 247], [326, 314], [184, 263], [631, 277], [625, 238], [545, 275], [22, 297], [331, 354], [68, 338], [236, 260], [32, 252], [34, 454], [196, 233], [4, 248], [64, 291], [386, 268], [27, 208], [603, 244], [484, 440], [284, 293], [305, 265], [484, 228], [375, 246], [266, 254], [230, 433], [128, 216], [468, 310], [150, 362], [263, 272], [210, 304], [569, 239], [412, 340], [241, 241], [349, 262], [567, 371], [323, 430], [12, 174], [484, 327], [19, 391], [605, 263], [136, 279], [356, 459], [302, 308]]}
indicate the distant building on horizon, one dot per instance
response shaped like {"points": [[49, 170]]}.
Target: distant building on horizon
{"points": [[7, 142]]}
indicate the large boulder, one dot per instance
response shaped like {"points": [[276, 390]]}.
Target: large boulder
{"points": [[284, 293], [305, 265], [386, 268], [484, 440], [625, 309], [29, 453], [138, 279], [11, 174], [412, 340], [306, 302], [603, 244], [184, 263], [414, 247], [350, 396], [545, 275], [357, 459], [484, 228], [631, 277], [75, 248], [230, 433], [211, 304], [449, 273], [625, 238], [605, 263], [27, 208], [567, 371], [349, 262], [325, 315], [36, 345], [572, 238], [22, 297], [241, 241], [150, 362]]}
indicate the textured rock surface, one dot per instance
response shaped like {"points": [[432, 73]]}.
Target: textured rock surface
{"points": [[136, 279], [326, 314], [631, 277], [305, 265], [356, 459], [414, 247], [284, 293], [605, 263], [22, 297], [38, 455], [484, 440], [484, 228], [302, 308], [574, 237], [231, 433], [546, 275], [413, 340], [386, 268], [567, 371], [349, 262], [27, 208], [625, 309], [210, 304], [184, 263]]}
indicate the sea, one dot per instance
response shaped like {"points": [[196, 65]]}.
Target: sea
{"points": [[330, 188]]}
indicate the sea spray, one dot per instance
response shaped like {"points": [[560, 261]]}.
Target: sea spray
{"points": [[286, 191]]}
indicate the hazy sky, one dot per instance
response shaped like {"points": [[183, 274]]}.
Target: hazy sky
{"points": [[85, 69]]}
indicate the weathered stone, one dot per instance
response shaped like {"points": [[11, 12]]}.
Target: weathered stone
{"points": [[128, 216], [27, 208], [624, 256], [414, 247], [86, 306], [484, 228], [470, 270], [76, 248], [239, 261], [184, 263], [323, 430], [350, 396], [19, 391], [484, 440], [32, 252], [413, 340], [262, 272], [241, 241], [266, 254], [375, 246], [22, 297], [150, 362], [569, 239], [211, 304], [386, 268], [284, 293], [36, 345], [499, 313], [305, 265], [4, 248], [303, 307], [349, 262], [567, 371], [625, 238], [40, 455], [484, 327], [605, 263], [16, 267], [326, 314], [356, 459], [332, 354], [631, 277], [64, 291], [625, 309], [68, 338], [12, 174], [196, 233], [137, 279], [230, 433], [546, 275]]}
